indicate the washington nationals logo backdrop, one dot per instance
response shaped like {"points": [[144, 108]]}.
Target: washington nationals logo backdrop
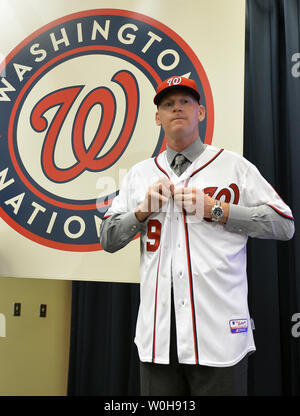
{"points": [[76, 112]]}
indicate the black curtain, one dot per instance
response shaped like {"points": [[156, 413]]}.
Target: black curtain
{"points": [[272, 143], [103, 357]]}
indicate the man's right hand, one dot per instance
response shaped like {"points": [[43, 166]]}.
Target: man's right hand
{"points": [[156, 197]]}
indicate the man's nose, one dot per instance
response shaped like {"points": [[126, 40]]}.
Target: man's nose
{"points": [[177, 106]]}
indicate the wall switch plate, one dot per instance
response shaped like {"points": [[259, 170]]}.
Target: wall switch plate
{"points": [[43, 311], [17, 309]]}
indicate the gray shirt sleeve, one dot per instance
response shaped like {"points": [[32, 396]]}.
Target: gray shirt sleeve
{"points": [[118, 230], [260, 222]]}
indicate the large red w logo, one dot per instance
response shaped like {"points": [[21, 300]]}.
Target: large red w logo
{"points": [[87, 158]]}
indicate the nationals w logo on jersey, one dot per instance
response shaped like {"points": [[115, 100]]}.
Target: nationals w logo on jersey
{"points": [[76, 112]]}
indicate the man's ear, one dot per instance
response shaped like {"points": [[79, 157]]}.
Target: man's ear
{"points": [[157, 119], [201, 113]]}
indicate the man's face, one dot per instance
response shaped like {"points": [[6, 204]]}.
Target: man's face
{"points": [[179, 114]]}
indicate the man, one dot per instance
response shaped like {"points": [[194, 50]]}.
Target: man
{"points": [[195, 206]]}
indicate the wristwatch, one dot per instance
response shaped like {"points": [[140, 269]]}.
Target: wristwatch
{"points": [[217, 211]]}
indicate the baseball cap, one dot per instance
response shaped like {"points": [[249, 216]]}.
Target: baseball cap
{"points": [[176, 82]]}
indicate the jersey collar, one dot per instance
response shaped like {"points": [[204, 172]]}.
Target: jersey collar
{"points": [[191, 152]]}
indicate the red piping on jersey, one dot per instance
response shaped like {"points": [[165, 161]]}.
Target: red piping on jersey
{"points": [[277, 210], [159, 167], [191, 287], [155, 311], [207, 163], [281, 213], [196, 171]]}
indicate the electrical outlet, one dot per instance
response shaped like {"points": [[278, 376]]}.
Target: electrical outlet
{"points": [[17, 309], [43, 311]]}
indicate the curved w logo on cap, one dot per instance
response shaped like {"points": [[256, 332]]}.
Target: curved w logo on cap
{"points": [[174, 81]]}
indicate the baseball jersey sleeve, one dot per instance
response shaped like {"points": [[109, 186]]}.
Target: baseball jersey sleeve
{"points": [[262, 213], [122, 203], [120, 225]]}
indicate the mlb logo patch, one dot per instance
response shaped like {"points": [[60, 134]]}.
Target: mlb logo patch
{"points": [[238, 325]]}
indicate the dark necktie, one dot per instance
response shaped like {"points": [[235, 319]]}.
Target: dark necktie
{"points": [[179, 162]]}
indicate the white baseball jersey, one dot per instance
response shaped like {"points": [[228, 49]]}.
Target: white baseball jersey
{"points": [[205, 260]]}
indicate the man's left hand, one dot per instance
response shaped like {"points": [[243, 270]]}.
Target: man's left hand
{"points": [[195, 202]]}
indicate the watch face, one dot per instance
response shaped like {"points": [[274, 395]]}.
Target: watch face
{"points": [[218, 212]]}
